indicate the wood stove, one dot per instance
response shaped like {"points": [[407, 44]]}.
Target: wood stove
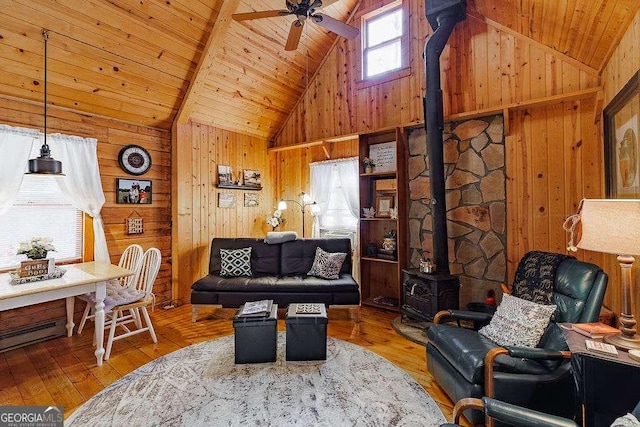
{"points": [[423, 295]]}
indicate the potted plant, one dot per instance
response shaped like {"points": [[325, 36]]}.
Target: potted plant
{"points": [[390, 240], [368, 164], [36, 247], [275, 219]]}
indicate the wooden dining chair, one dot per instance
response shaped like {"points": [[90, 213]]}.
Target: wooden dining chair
{"points": [[128, 316], [130, 259]]}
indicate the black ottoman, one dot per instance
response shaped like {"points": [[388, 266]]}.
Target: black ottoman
{"points": [[256, 338], [306, 332]]}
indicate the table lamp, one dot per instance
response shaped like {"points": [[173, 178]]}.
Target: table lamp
{"points": [[611, 226]]}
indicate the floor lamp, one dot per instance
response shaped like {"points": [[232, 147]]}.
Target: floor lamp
{"points": [[612, 226], [305, 200]]}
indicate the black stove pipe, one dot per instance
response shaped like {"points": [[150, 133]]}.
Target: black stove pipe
{"points": [[446, 20]]}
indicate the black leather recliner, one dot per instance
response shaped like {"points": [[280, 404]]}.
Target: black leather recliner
{"points": [[537, 378]]}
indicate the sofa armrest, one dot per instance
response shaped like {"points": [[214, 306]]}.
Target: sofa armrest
{"points": [[517, 352]]}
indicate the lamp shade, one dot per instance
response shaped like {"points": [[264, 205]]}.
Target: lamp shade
{"points": [[282, 205], [610, 226]]}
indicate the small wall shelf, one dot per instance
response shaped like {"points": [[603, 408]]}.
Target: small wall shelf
{"points": [[238, 187]]}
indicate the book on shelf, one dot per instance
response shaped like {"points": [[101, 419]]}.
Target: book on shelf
{"points": [[595, 329], [388, 301], [601, 347], [260, 308]]}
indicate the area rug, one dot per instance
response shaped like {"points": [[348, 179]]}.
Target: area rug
{"points": [[412, 330], [200, 385]]}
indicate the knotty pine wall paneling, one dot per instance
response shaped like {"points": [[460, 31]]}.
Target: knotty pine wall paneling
{"points": [[623, 64], [112, 135], [198, 150]]}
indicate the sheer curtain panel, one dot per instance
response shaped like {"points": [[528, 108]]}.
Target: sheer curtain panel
{"points": [[15, 146], [82, 181]]}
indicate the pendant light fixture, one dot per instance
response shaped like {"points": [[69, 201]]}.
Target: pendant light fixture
{"points": [[45, 164]]}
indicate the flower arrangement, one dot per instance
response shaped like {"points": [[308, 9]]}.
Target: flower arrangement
{"points": [[36, 247], [275, 219], [368, 161]]}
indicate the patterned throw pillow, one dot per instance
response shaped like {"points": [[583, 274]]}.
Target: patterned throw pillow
{"points": [[235, 262], [518, 322], [327, 265]]}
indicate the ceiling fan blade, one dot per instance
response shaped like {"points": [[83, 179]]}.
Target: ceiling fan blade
{"points": [[326, 3], [294, 35], [336, 26], [259, 15]]}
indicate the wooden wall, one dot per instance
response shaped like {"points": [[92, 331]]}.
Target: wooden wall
{"points": [[623, 64], [198, 150], [554, 150], [483, 67], [112, 135]]}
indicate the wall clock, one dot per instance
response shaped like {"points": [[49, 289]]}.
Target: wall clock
{"points": [[134, 159]]}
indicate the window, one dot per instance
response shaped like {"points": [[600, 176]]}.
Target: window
{"points": [[41, 209], [335, 188], [384, 41]]}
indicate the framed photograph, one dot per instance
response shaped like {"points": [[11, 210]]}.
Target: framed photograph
{"points": [[225, 175], [251, 200], [226, 200], [383, 206], [252, 178], [621, 125], [133, 191]]}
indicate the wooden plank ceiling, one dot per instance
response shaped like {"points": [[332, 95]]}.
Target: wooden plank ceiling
{"points": [[134, 60]]}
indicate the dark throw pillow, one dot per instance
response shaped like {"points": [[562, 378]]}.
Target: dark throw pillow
{"points": [[327, 265], [235, 262]]}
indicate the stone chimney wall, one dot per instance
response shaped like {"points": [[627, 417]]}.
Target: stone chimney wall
{"points": [[474, 156]]}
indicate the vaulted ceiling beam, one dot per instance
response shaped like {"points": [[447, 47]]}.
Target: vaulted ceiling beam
{"points": [[196, 86]]}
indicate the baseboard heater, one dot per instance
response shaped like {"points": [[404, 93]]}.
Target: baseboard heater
{"points": [[31, 334]]}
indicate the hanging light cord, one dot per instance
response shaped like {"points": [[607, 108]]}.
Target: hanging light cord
{"points": [[44, 151]]}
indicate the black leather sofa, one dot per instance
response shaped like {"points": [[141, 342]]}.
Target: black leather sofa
{"points": [[279, 272]]}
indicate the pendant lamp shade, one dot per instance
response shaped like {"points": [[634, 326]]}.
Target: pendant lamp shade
{"points": [[45, 164]]}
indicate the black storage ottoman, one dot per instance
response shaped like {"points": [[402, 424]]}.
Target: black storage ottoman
{"points": [[256, 338], [306, 333]]}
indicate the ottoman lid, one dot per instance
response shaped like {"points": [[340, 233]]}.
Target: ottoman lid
{"points": [[256, 320], [314, 313]]}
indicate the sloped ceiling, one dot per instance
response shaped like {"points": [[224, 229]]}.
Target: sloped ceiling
{"points": [[144, 61]]}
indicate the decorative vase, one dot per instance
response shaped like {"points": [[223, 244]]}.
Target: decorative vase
{"points": [[389, 243], [368, 169], [39, 255]]}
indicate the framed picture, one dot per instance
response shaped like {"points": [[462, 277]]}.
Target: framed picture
{"points": [[225, 175], [226, 200], [383, 206], [251, 200], [621, 125], [383, 156], [133, 191], [252, 178]]}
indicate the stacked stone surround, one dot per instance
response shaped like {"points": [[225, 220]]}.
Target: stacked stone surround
{"points": [[474, 156]]}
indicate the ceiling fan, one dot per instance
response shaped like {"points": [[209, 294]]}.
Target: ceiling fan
{"points": [[303, 9]]}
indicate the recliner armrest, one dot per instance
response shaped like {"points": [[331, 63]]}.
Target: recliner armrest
{"points": [[537, 353], [518, 352], [508, 413], [448, 315]]}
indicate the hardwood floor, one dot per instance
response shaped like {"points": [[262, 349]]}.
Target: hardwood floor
{"points": [[63, 371]]}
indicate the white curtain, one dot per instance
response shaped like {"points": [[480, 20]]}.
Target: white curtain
{"points": [[348, 173], [320, 190], [82, 183], [15, 146]]}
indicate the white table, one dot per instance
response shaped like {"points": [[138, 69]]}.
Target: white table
{"points": [[79, 279]]}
